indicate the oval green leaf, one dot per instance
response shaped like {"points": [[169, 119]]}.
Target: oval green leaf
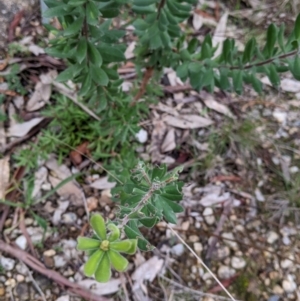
{"points": [[98, 224], [119, 262], [85, 243], [93, 262], [103, 272]]}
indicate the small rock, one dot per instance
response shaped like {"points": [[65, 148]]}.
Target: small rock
{"points": [[2, 290], [28, 221], [10, 282], [272, 237], [7, 263], [142, 136], [274, 298], [185, 225], [289, 284], [21, 241], [278, 290], [59, 261], [92, 203], [209, 216], [229, 239], [258, 195], [238, 262], [69, 218], [49, 253], [225, 272], [287, 263], [20, 278], [286, 240], [198, 247], [22, 291], [193, 238], [223, 252], [294, 169], [178, 249], [280, 116], [49, 262]]}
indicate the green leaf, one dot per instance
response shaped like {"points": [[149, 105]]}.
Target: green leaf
{"points": [[121, 246], [40, 221], [110, 53], [249, 50], [119, 262], [195, 67], [86, 85], [297, 28], [85, 243], [92, 13], [99, 76], [133, 232], [74, 28], [103, 272], [93, 262], [281, 37], [57, 11], [143, 9], [133, 247], [224, 80], [237, 80], [81, 50], [110, 12], [66, 74], [94, 55], [114, 232], [140, 24], [296, 68], [271, 40], [206, 51], [148, 222], [273, 75], [256, 83], [98, 224], [144, 2], [182, 71]]}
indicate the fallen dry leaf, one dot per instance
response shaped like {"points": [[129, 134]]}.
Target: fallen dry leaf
{"points": [[219, 35], [40, 178], [157, 136], [70, 190], [21, 129], [169, 143], [36, 50], [103, 184], [147, 271], [4, 176], [40, 97], [187, 121], [211, 103], [101, 289]]}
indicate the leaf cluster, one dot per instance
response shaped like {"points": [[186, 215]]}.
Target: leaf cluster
{"points": [[148, 196]]}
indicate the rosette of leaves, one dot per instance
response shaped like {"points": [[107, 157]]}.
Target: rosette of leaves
{"points": [[104, 249], [151, 194]]}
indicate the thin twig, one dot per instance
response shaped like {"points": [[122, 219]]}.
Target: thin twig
{"points": [[192, 290], [201, 261], [71, 95], [34, 282]]}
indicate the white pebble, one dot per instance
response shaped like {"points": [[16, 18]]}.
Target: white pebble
{"points": [[7, 263], [289, 284], [21, 241], [69, 218], [225, 272], [209, 215], [278, 290], [259, 196], [279, 115], [237, 262], [229, 239], [142, 136], [294, 169], [178, 249], [49, 253], [286, 263], [59, 261], [198, 247], [272, 237]]}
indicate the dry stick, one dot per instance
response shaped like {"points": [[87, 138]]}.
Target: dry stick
{"points": [[25, 233], [223, 218], [192, 290], [201, 261], [142, 90], [34, 264]]}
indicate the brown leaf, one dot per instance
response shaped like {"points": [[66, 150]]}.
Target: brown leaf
{"points": [[76, 155]]}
